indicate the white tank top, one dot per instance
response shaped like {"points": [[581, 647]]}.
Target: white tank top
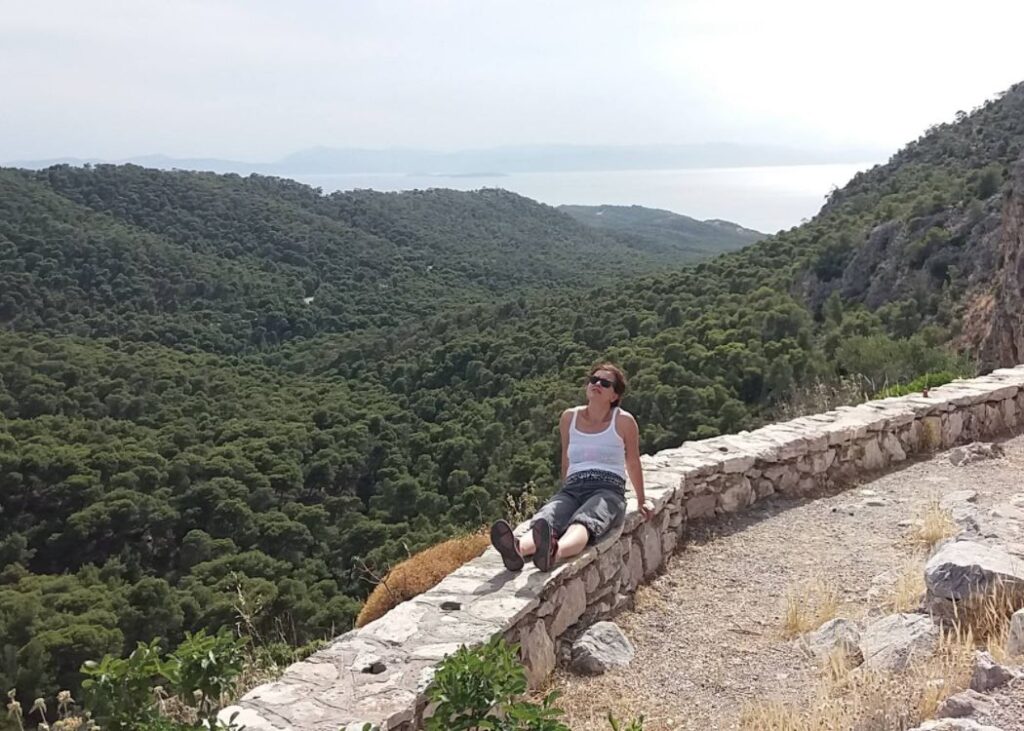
{"points": [[604, 450]]}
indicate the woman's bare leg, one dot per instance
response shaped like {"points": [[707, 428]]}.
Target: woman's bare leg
{"points": [[572, 542], [526, 545]]}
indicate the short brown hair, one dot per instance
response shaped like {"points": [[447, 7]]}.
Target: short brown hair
{"points": [[620, 385]]}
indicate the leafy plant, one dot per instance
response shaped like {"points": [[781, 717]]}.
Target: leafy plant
{"points": [[119, 691], [477, 689], [637, 724], [126, 694], [202, 672], [481, 688]]}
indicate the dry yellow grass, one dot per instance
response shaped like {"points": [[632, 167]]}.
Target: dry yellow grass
{"points": [[988, 617], [808, 606], [419, 573], [935, 524], [869, 701], [909, 587]]}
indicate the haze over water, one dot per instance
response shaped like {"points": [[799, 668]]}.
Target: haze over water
{"points": [[763, 198]]}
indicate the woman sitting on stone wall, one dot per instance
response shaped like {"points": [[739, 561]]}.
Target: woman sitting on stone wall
{"points": [[600, 446]]}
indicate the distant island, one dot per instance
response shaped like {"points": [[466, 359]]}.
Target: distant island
{"points": [[660, 229], [508, 160], [460, 175]]}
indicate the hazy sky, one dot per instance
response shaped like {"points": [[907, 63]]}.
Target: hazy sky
{"points": [[256, 79]]}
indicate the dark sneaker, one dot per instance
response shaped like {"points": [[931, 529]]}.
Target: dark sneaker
{"points": [[506, 544], [547, 545]]}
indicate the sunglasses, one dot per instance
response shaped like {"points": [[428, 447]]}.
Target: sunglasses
{"points": [[604, 382]]}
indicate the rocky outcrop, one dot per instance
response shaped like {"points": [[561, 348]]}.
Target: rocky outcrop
{"points": [[995, 319], [954, 724], [835, 636], [963, 704], [988, 674], [960, 570], [974, 452], [1015, 637], [891, 644]]}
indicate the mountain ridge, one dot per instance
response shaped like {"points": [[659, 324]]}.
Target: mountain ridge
{"points": [[504, 160]]}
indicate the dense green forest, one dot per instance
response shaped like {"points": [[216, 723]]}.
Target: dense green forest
{"points": [[230, 264], [181, 433], [665, 229]]}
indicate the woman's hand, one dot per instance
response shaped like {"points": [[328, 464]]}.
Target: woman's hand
{"points": [[647, 509]]}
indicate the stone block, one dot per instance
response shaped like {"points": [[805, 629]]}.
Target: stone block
{"points": [[676, 518], [910, 437], [932, 433], [737, 496], [892, 448], [789, 483], [651, 542], [611, 561], [872, 458], [572, 602], [668, 544], [763, 487], [807, 485], [1009, 409], [591, 580], [701, 506], [737, 463], [634, 572], [537, 652]]}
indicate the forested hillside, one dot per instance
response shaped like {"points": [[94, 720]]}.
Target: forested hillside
{"points": [[230, 264], [146, 479], [666, 230]]}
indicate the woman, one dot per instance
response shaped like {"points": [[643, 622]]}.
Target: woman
{"points": [[600, 446]]}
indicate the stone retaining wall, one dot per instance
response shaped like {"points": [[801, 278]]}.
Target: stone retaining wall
{"points": [[378, 674]]}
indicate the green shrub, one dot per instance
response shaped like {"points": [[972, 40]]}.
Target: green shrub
{"points": [[477, 689], [121, 693], [928, 380]]}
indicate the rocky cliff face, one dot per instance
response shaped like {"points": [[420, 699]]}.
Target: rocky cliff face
{"points": [[994, 320]]}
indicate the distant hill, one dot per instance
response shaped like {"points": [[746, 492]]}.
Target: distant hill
{"points": [[228, 264], [508, 159], [665, 230]]}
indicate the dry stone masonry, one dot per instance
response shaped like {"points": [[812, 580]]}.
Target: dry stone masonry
{"points": [[379, 674]]}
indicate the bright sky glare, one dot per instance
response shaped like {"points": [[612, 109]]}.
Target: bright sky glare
{"points": [[256, 79]]}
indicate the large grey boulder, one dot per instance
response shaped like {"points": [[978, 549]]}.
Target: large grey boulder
{"points": [[962, 569], [975, 452], [601, 648], [989, 674], [965, 703], [836, 635], [1015, 637], [954, 724], [892, 643]]}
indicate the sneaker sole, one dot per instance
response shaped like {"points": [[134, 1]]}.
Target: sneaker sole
{"points": [[504, 542]]}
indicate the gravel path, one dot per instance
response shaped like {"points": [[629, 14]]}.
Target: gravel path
{"points": [[708, 631]]}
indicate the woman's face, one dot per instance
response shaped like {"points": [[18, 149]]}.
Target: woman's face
{"points": [[603, 390]]}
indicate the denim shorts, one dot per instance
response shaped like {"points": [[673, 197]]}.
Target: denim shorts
{"points": [[594, 499]]}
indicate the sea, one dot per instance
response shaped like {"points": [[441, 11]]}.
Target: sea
{"points": [[767, 199]]}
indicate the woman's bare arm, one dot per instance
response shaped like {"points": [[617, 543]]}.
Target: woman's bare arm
{"points": [[563, 427], [630, 433]]}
